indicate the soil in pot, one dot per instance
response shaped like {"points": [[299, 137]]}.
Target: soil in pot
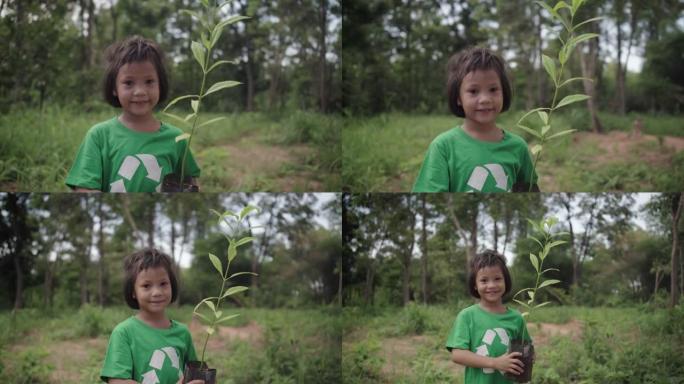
{"points": [[194, 370], [527, 350], [170, 184]]}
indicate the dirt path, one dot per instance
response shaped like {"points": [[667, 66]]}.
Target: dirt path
{"points": [[253, 164], [617, 146]]}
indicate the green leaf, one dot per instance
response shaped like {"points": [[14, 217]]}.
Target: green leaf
{"points": [[218, 314], [545, 129], [578, 39], [536, 149], [521, 303], [566, 82], [232, 251], [535, 239], [548, 282], [217, 263], [215, 34], [571, 99], [563, 54], [548, 8], [531, 112], [230, 317], [244, 240], [531, 295], [525, 314], [201, 316], [561, 4], [234, 290], [202, 302], [242, 273], [246, 210], [184, 136], [542, 304], [575, 5], [220, 62], [550, 67], [210, 304], [177, 99], [221, 85], [556, 243], [231, 20], [588, 21], [195, 105], [177, 118], [190, 116], [199, 52], [210, 330], [550, 269], [205, 3], [530, 131], [205, 40], [559, 134], [543, 116], [534, 261], [211, 121]]}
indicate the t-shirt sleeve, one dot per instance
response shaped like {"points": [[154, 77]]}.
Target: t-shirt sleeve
{"points": [[118, 363], [459, 337], [86, 172], [434, 173], [191, 167]]}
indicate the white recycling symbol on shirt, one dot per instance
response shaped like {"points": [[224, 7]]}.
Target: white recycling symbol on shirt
{"points": [[130, 165], [157, 361], [488, 338], [481, 174]]}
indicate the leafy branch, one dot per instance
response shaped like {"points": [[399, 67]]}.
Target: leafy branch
{"points": [[546, 242], [556, 72], [202, 50], [215, 317]]}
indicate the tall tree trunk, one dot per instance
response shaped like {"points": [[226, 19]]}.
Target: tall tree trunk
{"points": [[677, 205], [112, 10], [619, 73], [588, 63], [150, 225], [408, 253], [368, 292], [496, 235], [424, 264], [322, 50]]}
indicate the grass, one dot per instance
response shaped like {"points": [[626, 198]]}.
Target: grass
{"points": [[284, 346], [384, 153], [638, 344], [38, 148]]}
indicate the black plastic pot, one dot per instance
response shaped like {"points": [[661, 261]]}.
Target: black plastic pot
{"points": [[527, 350], [195, 370], [170, 184]]}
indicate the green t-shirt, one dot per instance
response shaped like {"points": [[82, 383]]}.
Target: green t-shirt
{"points": [[456, 162], [486, 334], [114, 158], [146, 354]]}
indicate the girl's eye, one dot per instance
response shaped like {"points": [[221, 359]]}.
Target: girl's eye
{"points": [[150, 81], [146, 286], [494, 89], [163, 284]]}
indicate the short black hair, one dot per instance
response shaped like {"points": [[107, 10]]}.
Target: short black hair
{"points": [[140, 261], [488, 258], [133, 50], [469, 60]]}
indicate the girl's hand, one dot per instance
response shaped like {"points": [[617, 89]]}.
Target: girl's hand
{"points": [[509, 363], [180, 381]]}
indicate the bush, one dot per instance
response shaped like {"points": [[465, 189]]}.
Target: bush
{"points": [[362, 364]]}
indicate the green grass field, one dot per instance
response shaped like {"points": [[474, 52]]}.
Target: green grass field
{"points": [[384, 153], [298, 151], [573, 345], [261, 346]]}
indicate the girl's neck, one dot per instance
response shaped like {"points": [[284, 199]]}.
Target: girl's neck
{"points": [[140, 123], [155, 320], [483, 132], [493, 307]]}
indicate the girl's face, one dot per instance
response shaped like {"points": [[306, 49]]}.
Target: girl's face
{"points": [[137, 87], [481, 96], [490, 284], [153, 290]]}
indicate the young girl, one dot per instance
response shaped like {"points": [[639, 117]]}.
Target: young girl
{"points": [[481, 333], [134, 151], [148, 347], [477, 156]]}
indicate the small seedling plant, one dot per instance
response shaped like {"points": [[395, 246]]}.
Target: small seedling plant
{"points": [[202, 51], [213, 315], [563, 13], [547, 240]]}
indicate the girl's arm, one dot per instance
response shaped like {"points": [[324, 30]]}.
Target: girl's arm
{"points": [[505, 363]]}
